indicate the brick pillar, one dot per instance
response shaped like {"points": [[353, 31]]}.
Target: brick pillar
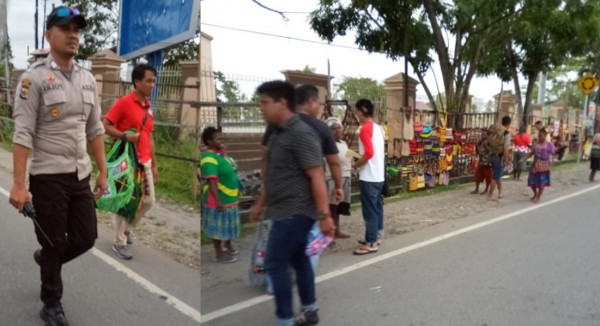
{"points": [[107, 64], [394, 90], [320, 81]]}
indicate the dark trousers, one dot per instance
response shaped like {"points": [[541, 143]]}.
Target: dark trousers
{"points": [[372, 209], [286, 246], [65, 210]]}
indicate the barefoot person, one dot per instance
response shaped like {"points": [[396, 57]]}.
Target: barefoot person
{"points": [[484, 171], [539, 175], [495, 143], [220, 212], [341, 207]]}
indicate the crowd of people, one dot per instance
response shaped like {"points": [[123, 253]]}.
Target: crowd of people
{"points": [[499, 151], [306, 173]]}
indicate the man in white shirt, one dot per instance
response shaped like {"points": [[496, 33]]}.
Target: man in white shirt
{"points": [[372, 176]]}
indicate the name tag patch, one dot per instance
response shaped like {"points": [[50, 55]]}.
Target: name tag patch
{"points": [[52, 86]]}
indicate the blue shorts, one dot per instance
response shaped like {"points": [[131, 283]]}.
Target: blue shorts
{"points": [[497, 168]]}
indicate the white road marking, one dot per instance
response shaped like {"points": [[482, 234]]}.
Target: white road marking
{"points": [[345, 270], [137, 278]]}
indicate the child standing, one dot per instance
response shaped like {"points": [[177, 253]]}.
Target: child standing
{"points": [[343, 207], [539, 175]]}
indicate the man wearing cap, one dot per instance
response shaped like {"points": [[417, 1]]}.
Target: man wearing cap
{"points": [[56, 113]]}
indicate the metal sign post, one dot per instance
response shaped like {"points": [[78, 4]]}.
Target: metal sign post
{"points": [[587, 84]]}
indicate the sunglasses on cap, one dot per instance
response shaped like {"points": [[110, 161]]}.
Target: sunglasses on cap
{"points": [[66, 11]]}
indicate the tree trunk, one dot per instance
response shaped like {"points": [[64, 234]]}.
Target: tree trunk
{"points": [[515, 76], [531, 78]]}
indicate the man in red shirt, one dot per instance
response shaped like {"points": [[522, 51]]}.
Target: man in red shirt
{"points": [[133, 111]]}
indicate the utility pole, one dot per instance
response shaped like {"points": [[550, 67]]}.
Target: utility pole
{"points": [[36, 24], [44, 26]]}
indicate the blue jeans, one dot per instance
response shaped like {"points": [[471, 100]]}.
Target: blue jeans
{"points": [[285, 247], [314, 260], [372, 210]]}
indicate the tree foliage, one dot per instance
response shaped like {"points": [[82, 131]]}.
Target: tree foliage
{"points": [[543, 36], [101, 33], [459, 33]]}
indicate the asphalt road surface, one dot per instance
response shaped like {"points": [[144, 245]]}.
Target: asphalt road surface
{"points": [[99, 289], [526, 265]]}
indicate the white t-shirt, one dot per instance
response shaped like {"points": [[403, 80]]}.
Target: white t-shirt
{"points": [[371, 144], [345, 161]]}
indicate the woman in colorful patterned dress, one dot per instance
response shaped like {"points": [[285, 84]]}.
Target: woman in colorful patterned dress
{"points": [[539, 174], [220, 191]]}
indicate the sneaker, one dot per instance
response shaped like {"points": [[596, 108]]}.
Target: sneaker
{"points": [[122, 252], [129, 237], [306, 318], [37, 256], [54, 315]]}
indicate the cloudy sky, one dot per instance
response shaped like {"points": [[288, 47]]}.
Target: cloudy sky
{"points": [[251, 54]]}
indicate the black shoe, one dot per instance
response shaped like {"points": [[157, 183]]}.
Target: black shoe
{"points": [[306, 318], [37, 256], [54, 315]]}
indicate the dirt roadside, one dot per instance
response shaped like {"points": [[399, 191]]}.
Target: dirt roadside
{"points": [[404, 216], [171, 228]]}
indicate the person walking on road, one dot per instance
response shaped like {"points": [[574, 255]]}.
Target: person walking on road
{"points": [[539, 175], [500, 158], [595, 157], [521, 149], [220, 211], [309, 111], [133, 111], [56, 113], [371, 177], [295, 196], [483, 171]]}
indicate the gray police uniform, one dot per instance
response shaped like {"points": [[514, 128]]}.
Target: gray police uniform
{"points": [[56, 113]]}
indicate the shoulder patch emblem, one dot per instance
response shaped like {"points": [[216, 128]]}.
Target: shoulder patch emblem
{"points": [[25, 84]]}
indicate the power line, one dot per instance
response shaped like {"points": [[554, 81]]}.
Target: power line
{"points": [[282, 36]]}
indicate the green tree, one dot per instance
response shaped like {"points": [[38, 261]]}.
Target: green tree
{"points": [[543, 35], [353, 89], [101, 33], [308, 69], [416, 29], [228, 91]]}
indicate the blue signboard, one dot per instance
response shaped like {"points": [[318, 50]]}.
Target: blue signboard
{"points": [[150, 25]]}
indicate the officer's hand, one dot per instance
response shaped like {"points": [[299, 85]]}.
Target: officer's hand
{"points": [[18, 197], [133, 137], [101, 185]]}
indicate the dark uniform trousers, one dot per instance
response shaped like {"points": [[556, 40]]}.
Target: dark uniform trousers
{"points": [[65, 210]]}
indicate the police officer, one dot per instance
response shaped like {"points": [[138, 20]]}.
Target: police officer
{"points": [[56, 113]]}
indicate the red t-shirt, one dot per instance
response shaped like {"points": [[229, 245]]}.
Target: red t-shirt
{"points": [[128, 113]]}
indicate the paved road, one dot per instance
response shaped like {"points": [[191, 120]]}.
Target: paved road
{"points": [[95, 292], [526, 267]]}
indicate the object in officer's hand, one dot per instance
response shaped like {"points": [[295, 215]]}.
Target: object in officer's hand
{"points": [[29, 211]]}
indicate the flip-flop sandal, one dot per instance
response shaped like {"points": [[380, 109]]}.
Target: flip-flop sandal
{"points": [[365, 250], [364, 243], [225, 259]]}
